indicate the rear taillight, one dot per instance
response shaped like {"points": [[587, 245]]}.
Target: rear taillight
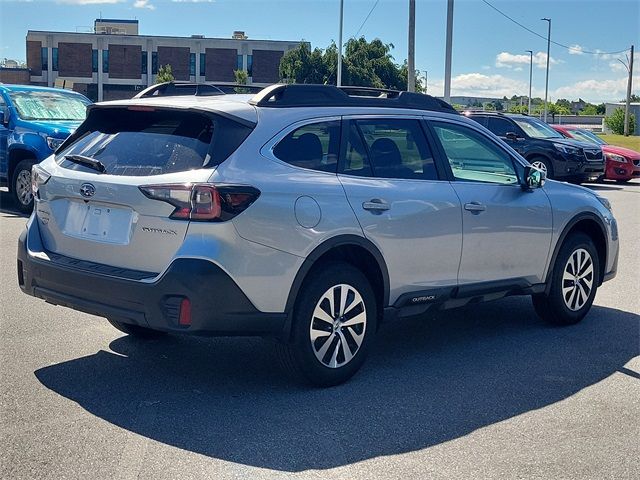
{"points": [[39, 176], [203, 201]]}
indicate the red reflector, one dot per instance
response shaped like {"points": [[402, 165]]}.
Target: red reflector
{"points": [[185, 312]]}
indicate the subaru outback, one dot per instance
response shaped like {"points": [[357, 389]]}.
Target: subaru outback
{"points": [[307, 213]]}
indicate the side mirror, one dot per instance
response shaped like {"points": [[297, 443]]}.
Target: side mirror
{"points": [[533, 178], [511, 136]]}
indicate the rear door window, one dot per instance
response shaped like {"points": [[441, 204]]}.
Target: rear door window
{"points": [[314, 146], [389, 148], [153, 142], [500, 126]]}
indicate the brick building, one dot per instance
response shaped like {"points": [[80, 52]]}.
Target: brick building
{"points": [[108, 65]]}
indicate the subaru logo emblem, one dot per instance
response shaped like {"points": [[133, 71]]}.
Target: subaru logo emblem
{"points": [[87, 190]]}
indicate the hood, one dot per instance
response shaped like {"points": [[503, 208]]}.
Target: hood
{"points": [[571, 142], [54, 128], [625, 152]]}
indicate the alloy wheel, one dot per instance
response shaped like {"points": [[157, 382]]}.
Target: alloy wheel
{"points": [[577, 279], [540, 166], [23, 187], [338, 326]]}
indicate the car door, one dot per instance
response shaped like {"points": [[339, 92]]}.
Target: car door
{"points": [[394, 186], [4, 135], [506, 230]]}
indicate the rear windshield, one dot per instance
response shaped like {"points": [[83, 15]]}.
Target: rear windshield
{"points": [[137, 143]]}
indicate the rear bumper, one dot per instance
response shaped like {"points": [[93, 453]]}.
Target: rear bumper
{"points": [[218, 305]]}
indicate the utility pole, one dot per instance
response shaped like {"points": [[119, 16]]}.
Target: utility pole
{"points": [[626, 108], [447, 60], [546, 88], [339, 79], [411, 62], [530, 77]]}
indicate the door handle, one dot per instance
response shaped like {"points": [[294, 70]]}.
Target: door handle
{"points": [[474, 207], [375, 205]]}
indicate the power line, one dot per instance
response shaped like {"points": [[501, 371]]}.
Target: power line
{"points": [[367, 18], [545, 38]]}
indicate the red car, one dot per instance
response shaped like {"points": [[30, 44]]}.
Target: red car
{"points": [[622, 164]]}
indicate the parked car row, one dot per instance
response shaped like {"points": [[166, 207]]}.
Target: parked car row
{"points": [[310, 213]]}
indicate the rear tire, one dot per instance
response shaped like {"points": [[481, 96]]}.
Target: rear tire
{"points": [[334, 323], [21, 186], [136, 330], [574, 282]]}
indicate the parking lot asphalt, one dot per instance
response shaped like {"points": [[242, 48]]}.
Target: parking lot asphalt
{"points": [[486, 391]]}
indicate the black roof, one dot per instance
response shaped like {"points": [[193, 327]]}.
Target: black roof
{"points": [[300, 95]]}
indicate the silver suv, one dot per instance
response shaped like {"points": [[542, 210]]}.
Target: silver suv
{"points": [[308, 213]]}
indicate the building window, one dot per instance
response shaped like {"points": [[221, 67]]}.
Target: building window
{"points": [[203, 61], [54, 59], [250, 65], [94, 61], [45, 58], [154, 63], [192, 64], [105, 61], [144, 63], [239, 65]]}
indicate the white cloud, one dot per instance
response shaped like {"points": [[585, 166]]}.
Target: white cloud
{"points": [[596, 90], [480, 85], [89, 2], [511, 60], [143, 4], [576, 50], [193, 1]]}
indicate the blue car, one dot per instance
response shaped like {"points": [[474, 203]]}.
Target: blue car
{"points": [[34, 121]]}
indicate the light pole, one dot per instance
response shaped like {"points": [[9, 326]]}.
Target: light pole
{"points": [[530, 77], [411, 61], [447, 60], [546, 87], [339, 79]]}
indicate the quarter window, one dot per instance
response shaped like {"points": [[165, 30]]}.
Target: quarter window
{"points": [[314, 146], [473, 157], [389, 148]]}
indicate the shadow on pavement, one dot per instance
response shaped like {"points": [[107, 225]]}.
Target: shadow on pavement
{"points": [[427, 381], [7, 205]]}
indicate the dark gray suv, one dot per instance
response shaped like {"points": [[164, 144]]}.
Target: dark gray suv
{"points": [[560, 158]]}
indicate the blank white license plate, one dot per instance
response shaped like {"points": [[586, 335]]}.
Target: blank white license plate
{"points": [[99, 223]]}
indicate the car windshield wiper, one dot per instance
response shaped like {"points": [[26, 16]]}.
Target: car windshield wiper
{"points": [[87, 161]]}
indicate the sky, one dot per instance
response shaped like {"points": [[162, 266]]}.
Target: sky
{"points": [[489, 51]]}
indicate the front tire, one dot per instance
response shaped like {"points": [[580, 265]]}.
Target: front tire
{"points": [[136, 330], [21, 186], [334, 322], [574, 281]]}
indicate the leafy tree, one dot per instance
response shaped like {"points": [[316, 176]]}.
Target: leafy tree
{"points": [[634, 98], [242, 77], [601, 109], [498, 106], [165, 74], [615, 122], [519, 109], [367, 64], [589, 109], [563, 102]]}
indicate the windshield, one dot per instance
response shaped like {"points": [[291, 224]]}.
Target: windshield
{"points": [[48, 105], [536, 128], [587, 136]]}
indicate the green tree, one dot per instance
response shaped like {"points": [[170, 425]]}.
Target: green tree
{"points": [[563, 102], [634, 98], [615, 122], [519, 109], [242, 77], [589, 109], [165, 74]]}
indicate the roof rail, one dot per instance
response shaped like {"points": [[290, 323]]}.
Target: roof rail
{"points": [[236, 88], [307, 95], [174, 89]]}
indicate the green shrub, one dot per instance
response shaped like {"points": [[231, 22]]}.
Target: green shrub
{"points": [[615, 122]]}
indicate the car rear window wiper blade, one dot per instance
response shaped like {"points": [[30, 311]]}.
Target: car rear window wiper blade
{"points": [[87, 161]]}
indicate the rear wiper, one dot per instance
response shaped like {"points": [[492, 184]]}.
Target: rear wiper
{"points": [[87, 161]]}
